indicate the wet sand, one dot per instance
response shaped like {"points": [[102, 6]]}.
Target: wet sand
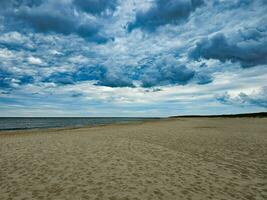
{"points": [[184, 158]]}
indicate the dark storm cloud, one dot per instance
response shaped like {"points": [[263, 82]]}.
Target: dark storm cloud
{"points": [[82, 74], [60, 78], [164, 12], [96, 6], [247, 47], [117, 77], [52, 17], [102, 75], [156, 73], [166, 75]]}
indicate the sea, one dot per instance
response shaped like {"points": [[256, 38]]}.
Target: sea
{"points": [[20, 123]]}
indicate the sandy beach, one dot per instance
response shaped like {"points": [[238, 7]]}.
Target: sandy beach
{"points": [[170, 159]]}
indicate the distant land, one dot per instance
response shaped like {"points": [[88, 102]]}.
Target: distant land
{"points": [[259, 114]]}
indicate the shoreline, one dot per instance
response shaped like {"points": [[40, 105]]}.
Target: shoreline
{"points": [[57, 128], [142, 119], [69, 128], [145, 119]]}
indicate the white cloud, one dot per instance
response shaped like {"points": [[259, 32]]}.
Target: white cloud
{"points": [[35, 61]]}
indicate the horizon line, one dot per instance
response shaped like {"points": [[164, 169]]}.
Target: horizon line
{"points": [[261, 114]]}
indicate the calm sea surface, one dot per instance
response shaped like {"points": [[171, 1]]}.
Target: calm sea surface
{"points": [[13, 123]]}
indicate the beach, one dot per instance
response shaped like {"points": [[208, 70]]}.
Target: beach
{"points": [[167, 159]]}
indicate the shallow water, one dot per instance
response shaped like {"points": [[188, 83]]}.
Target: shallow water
{"points": [[13, 123]]}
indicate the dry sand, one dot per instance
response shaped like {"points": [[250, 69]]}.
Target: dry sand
{"points": [[194, 158]]}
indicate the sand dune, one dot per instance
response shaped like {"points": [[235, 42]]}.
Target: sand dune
{"points": [[192, 158]]}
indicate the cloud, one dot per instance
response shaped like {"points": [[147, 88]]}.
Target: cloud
{"points": [[76, 95], [164, 12], [54, 51], [154, 72], [165, 73], [116, 77], [53, 17], [231, 4], [34, 61], [9, 81], [256, 98], [96, 7], [236, 4], [247, 47], [203, 78], [62, 78], [5, 81], [99, 74], [15, 41]]}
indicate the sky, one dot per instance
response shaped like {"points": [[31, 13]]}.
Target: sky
{"points": [[144, 58]]}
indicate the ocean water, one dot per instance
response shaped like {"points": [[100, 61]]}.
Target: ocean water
{"points": [[16, 123]]}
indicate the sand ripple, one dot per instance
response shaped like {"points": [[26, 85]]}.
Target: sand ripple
{"points": [[173, 159]]}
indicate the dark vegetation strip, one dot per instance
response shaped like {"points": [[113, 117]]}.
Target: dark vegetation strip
{"points": [[260, 115]]}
